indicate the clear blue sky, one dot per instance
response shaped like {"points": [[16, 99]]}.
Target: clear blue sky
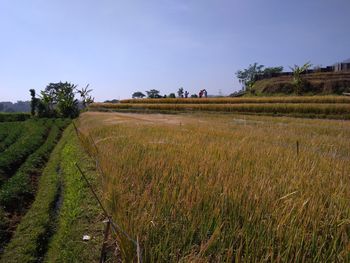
{"points": [[124, 46]]}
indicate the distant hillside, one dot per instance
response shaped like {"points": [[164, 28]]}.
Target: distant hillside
{"points": [[316, 83], [19, 106]]}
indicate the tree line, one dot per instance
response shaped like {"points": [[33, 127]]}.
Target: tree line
{"points": [[246, 77], [19, 106], [155, 94]]}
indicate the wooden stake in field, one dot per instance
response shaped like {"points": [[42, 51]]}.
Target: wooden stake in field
{"points": [[105, 241], [297, 147]]}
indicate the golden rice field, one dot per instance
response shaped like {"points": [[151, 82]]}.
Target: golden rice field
{"points": [[241, 100], [223, 188], [318, 110]]}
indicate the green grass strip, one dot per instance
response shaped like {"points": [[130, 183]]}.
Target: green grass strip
{"points": [[79, 214]]}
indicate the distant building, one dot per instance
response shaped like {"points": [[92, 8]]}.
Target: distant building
{"points": [[342, 66]]}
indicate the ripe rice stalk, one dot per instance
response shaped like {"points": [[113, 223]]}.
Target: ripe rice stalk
{"points": [[222, 189]]}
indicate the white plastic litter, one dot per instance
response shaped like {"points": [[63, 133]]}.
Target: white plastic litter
{"points": [[86, 237]]}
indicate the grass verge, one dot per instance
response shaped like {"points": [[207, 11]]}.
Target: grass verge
{"points": [[79, 214]]}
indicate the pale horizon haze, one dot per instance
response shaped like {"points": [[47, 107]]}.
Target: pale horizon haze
{"points": [[119, 47]]}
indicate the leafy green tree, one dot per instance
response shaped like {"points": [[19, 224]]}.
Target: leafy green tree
{"points": [[247, 76], [194, 96], [42, 109], [58, 100], [47, 104], [298, 81], [180, 92], [138, 95], [172, 95], [153, 93], [67, 105]]}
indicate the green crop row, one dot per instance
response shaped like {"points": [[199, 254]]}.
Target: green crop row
{"points": [[4, 117], [299, 99], [34, 229], [4, 130], [10, 134], [51, 230], [4, 224], [272, 108], [35, 133], [17, 191]]}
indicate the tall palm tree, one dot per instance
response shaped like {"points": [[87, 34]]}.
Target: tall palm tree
{"points": [[85, 95]]}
